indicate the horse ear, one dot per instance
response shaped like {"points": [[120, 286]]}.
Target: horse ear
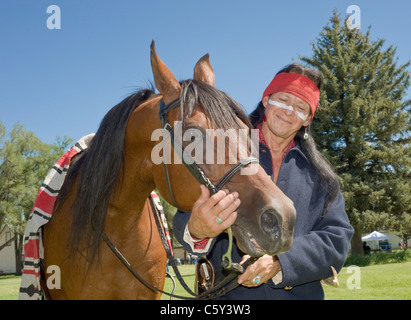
{"points": [[203, 71], [165, 81]]}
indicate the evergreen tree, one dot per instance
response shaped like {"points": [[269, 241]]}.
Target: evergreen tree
{"points": [[363, 126]]}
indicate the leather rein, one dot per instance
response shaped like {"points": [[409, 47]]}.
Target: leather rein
{"points": [[234, 269]]}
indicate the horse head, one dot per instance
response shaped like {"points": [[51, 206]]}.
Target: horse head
{"points": [[266, 217]]}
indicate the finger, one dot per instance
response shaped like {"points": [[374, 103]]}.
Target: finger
{"points": [[214, 199], [228, 205], [244, 279], [228, 221], [249, 282], [266, 268], [205, 195], [244, 259]]}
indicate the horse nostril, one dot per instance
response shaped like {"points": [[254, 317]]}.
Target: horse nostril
{"points": [[270, 224]]}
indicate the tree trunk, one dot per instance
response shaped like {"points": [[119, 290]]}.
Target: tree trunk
{"points": [[356, 242], [19, 246]]}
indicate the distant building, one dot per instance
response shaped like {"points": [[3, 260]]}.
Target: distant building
{"points": [[7, 251]]}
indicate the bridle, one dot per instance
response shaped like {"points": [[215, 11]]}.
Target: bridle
{"points": [[234, 269], [191, 165]]}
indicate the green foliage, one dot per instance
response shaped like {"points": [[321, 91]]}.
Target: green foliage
{"points": [[169, 210], [24, 163], [377, 258], [363, 125]]}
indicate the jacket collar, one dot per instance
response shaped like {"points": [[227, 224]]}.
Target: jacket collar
{"points": [[297, 148], [265, 153]]}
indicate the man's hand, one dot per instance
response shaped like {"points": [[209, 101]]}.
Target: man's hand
{"points": [[212, 215], [265, 267]]}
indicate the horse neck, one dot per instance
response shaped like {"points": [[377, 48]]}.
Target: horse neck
{"points": [[136, 181]]}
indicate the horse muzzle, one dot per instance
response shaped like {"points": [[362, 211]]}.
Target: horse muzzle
{"points": [[274, 236]]}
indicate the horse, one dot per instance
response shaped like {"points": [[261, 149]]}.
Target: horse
{"points": [[107, 187]]}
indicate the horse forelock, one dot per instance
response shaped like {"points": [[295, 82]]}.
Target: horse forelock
{"points": [[222, 110]]}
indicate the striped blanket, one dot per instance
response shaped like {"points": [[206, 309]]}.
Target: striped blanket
{"points": [[30, 288], [41, 214]]}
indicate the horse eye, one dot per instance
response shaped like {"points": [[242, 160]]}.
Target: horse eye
{"points": [[193, 133], [196, 133]]}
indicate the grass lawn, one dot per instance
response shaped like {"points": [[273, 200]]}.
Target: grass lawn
{"points": [[376, 282], [9, 287], [188, 273]]}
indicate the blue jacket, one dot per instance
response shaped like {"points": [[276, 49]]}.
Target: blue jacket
{"points": [[319, 242]]}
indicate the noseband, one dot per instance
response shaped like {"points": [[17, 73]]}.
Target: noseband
{"points": [[192, 166]]}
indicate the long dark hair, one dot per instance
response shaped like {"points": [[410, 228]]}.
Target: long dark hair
{"points": [[323, 167]]}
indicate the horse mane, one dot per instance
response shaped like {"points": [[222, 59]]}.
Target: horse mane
{"points": [[98, 168]]}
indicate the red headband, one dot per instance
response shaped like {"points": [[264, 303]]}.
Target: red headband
{"points": [[295, 84]]}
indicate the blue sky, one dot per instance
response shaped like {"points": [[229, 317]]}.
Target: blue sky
{"points": [[62, 82]]}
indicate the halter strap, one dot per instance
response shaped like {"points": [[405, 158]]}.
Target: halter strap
{"points": [[164, 109], [243, 163]]}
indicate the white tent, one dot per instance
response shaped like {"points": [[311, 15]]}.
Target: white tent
{"points": [[375, 236]]}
